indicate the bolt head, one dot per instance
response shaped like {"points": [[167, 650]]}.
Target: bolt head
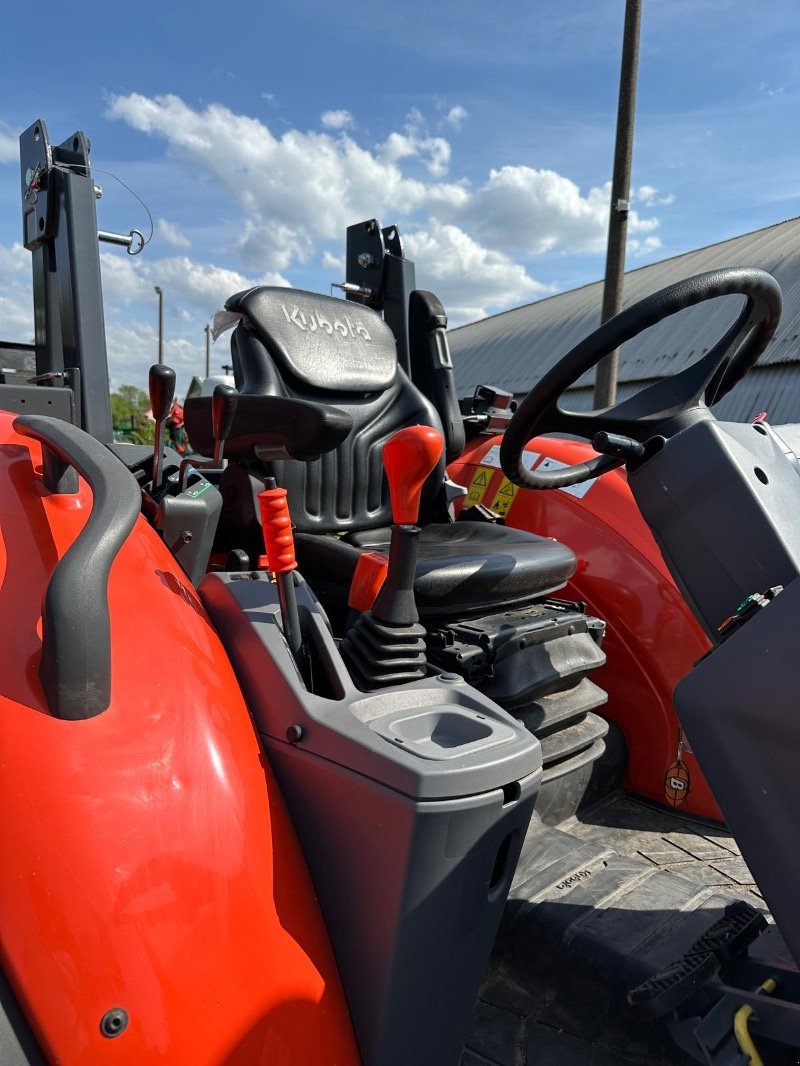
{"points": [[365, 260], [294, 733]]}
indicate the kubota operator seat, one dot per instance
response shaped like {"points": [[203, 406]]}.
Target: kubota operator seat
{"points": [[329, 351]]}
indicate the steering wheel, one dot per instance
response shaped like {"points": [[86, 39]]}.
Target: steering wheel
{"points": [[662, 408]]}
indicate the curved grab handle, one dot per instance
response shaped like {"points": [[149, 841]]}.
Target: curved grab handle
{"points": [[75, 670]]}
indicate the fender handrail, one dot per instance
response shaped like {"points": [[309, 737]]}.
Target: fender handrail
{"points": [[75, 669]]}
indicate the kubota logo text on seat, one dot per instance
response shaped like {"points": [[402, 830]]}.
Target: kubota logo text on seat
{"points": [[313, 321]]}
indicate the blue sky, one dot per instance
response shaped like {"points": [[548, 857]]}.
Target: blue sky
{"points": [[257, 132]]}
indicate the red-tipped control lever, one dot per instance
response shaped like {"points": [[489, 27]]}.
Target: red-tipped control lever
{"points": [[409, 457], [386, 644], [276, 525]]}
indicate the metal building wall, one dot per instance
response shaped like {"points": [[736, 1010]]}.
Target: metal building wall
{"points": [[513, 349]]}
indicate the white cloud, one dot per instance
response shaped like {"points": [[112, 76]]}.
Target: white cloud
{"points": [[648, 195], [284, 184], [299, 188], [172, 234], [336, 120], [186, 282], [456, 116], [646, 247], [537, 211], [298, 191], [9, 148], [16, 300], [476, 279], [193, 291], [335, 263]]}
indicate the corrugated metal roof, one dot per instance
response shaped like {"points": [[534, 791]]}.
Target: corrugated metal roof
{"points": [[774, 389], [513, 349]]}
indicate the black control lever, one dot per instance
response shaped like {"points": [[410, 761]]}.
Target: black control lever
{"points": [[616, 445], [161, 385], [223, 411]]}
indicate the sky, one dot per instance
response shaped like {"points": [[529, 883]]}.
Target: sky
{"points": [[257, 132]]}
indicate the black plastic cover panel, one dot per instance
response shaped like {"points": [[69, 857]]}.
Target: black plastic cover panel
{"points": [[319, 341], [739, 709], [722, 501]]}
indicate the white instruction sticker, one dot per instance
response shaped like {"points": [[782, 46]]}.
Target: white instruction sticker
{"points": [[574, 490], [492, 458]]}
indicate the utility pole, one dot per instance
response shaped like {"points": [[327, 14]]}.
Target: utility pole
{"points": [[160, 294], [208, 351], [605, 389]]}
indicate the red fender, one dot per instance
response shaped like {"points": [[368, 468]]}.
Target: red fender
{"points": [[652, 640], [146, 857]]}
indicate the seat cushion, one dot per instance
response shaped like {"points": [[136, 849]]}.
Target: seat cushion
{"points": [[464, 569]]}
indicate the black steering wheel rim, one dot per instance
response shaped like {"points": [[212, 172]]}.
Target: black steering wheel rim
{"points": [[660, 406]]}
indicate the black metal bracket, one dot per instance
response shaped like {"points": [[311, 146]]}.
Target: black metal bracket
{"points": [[379, 275], [59, 228]]}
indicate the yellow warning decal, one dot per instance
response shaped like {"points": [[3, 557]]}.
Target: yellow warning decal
{"points": [[504, 497], [478, 486]]}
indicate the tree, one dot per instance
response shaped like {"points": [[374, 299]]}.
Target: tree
{"points": [[130, 415]]}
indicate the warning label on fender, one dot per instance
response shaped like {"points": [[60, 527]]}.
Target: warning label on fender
{"points": [[478, 486], [504, 497]]}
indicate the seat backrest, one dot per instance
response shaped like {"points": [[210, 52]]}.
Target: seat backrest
{"points": [[319, 348]]}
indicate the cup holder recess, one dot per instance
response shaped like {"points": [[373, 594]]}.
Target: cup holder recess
{"points": [[443, 733]]}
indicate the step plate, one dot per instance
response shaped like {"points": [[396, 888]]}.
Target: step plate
{"points": [[594, 911]]}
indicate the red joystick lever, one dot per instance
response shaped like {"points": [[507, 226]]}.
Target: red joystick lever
{"points": [[386, 643], [409, 456]]}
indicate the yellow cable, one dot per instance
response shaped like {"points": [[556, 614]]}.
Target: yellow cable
{"points": [[742, 1033]]}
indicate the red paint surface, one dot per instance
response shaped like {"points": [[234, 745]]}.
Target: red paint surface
{"points": [[146, 857], [652, 640]]}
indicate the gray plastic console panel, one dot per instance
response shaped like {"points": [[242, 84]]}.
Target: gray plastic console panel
{"points": [[723, 500], [739, 707], [433, 739], [411, 806]]}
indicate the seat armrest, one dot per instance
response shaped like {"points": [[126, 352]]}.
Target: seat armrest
{"points": [[270, 427]]}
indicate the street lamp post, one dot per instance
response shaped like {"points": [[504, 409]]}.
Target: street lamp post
{"points": [[208, 351], [160, 294]]}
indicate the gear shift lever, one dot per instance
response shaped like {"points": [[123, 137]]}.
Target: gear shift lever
{"points": [[409, 457], [386, 644]]}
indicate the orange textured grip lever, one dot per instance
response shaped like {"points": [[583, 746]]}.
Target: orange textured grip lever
{"points": [[276, 524], [409, 456]]}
